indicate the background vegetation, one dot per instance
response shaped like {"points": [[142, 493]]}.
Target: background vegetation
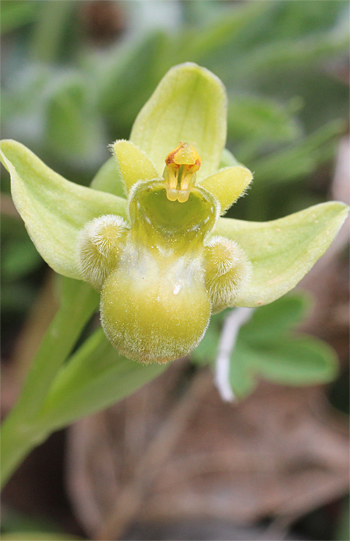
{"points": [[75, 74]]}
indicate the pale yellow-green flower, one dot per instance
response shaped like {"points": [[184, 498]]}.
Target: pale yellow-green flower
{"points": [[163, 259]]}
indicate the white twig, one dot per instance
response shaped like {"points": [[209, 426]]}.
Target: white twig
{"points": [[232, 324]]}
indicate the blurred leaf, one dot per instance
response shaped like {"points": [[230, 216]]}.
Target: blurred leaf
{"points": [[242, 378], [17, 297], [18, 259], [13, 521], [53, 209], [95, 377], [300, 159], [292, 360], [267, 349], [257, 122], [228, 27], [16, 13], [296, 20], [73, 128], [285, 54], [270, 321], [24, 96], [47, 37], [126, 76]]}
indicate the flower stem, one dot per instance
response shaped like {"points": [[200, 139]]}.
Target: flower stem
{"points": [[20, 433]]}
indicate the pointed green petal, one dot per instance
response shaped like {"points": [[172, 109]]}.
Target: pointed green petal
{"points": [[284, 250], [133, 163], [189, 105], [227, 185], [53, 209]]}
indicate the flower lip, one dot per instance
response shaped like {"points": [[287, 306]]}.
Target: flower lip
{"points": [[151, 210]]}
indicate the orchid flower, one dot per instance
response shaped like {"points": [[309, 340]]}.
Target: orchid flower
{"points": [[162, 256]]}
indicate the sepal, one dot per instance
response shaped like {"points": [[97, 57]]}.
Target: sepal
{"points": [[53, 209], [189, 105], [282, 251]]}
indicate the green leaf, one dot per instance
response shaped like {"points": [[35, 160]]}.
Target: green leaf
{"points": [[241, 378], [127, 75], [109, 179], [300, 360], [342, 527], [53, 209], [18, 259], [300, 159], [73, 128], [269, 322], [95, 377], [283, 251], [253, 118], [265, 349], [283, 55], [15, 14], [226, 28], [188, 105]]}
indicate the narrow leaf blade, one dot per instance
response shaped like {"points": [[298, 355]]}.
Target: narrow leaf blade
{"points": [[95, 377]]}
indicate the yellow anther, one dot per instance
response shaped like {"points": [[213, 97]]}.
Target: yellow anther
{"points": [[181, 166]]}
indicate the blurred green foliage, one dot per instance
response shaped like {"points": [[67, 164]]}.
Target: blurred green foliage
{"points": [[267, 348]]}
